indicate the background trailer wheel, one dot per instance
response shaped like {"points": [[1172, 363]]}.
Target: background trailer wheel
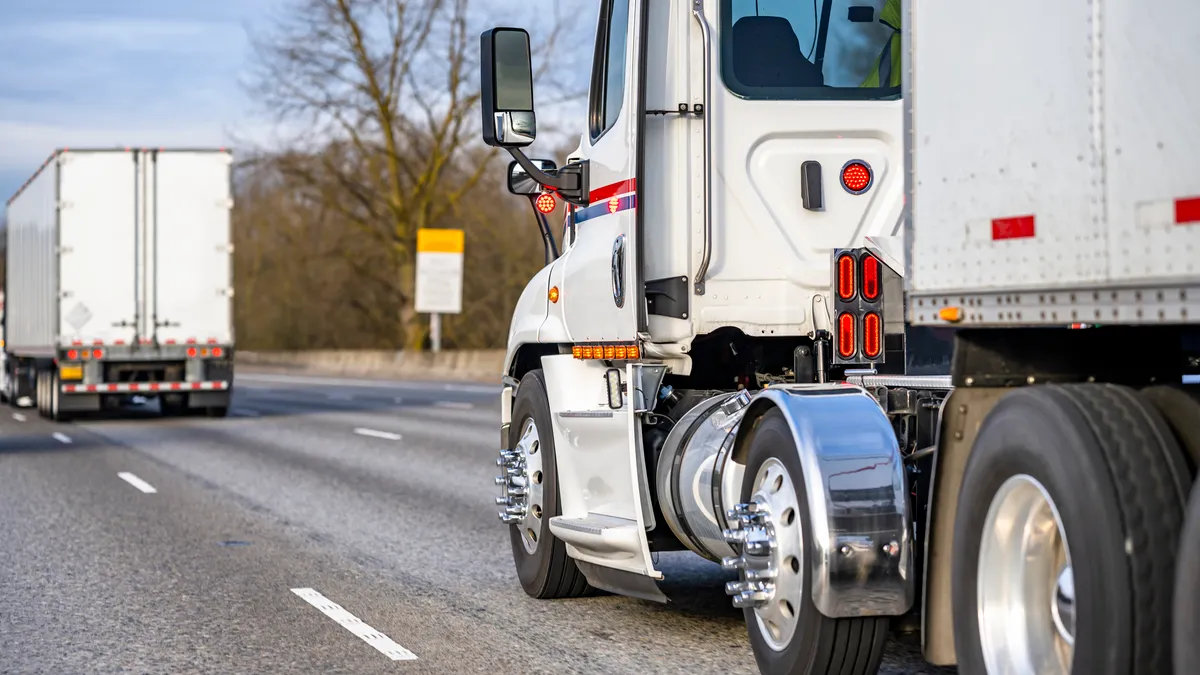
{"points": [[788, 634], [1069, 514], [530, 482], [1187, 593]]}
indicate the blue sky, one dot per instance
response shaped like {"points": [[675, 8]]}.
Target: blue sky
{"points": [[114, 73]]}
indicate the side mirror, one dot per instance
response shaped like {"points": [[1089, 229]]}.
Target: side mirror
{"points": [[506, 88], [521, 183]]}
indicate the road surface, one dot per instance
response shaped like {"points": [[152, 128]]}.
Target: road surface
{"points": [[326, 526]]}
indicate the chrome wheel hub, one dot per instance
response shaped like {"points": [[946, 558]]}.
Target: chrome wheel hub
{"points": [[1026, 584], [522, 482], [767, 530]]}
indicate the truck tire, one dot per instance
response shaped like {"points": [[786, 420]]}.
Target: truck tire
{"points": [[543, 566], [42, 407], [1058, 475], [1187, 592], [1181, 409], [805, 642], [55, 408]]}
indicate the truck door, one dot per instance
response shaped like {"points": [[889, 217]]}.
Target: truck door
{"points": [[602, 289], [191, 230]]}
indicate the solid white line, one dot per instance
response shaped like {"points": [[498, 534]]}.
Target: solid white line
{"points": [[137, 482], [370, 384], [62, 438], [454, 405], [386, 435], [384, 644], [18, 417]]}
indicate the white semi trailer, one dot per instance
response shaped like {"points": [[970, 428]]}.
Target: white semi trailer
{"points": [[884, 307], [119, 282]]}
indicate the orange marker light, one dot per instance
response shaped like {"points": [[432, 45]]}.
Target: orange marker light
{"points": [[614, 205], [951, 314], [577, 352], [554, 294]]}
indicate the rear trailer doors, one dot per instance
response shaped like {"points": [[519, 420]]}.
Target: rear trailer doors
{"points": [[189, 298]]}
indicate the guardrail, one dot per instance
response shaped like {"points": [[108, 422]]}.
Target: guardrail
{"points": [[461, 365]]}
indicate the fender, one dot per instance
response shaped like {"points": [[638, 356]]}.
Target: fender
{"points": [[858, 502]]}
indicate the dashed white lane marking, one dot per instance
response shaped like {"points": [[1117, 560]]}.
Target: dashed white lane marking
{"points": [[61, 437], [454, 405], [18, 417], [398, 400], [384, 644], [137, 482], [373, 433]]}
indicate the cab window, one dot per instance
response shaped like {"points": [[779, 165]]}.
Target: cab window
{"points": [[608, 74], [811, 49]]}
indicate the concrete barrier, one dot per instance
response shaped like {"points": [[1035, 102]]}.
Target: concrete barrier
{"points": [[460, 365]]}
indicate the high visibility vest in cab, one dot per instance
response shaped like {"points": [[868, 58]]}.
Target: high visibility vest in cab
{"points": [[887, 66]]}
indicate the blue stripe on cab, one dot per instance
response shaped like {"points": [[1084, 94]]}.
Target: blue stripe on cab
{"points": [[602, 209]]}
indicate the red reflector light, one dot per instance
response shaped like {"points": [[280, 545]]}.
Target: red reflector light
{"points": [[98, 353], [546, 203], [856, 177], [845, 277], [217, 352], [872, 335], [1187, 210], [870, 278], [191, 352], [72, 354], [845, 336]]}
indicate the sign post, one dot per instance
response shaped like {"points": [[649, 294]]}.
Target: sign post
{"points": [[439, 277]]}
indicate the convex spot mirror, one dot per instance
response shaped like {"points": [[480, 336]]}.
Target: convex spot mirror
{"points": [[521, 183], [507, 88]]}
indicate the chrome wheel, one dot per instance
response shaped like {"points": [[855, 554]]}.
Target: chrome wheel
{"points": [[771, 564], [1026, 585], [523, 485]]}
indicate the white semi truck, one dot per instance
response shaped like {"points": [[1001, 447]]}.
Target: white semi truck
{"points": [[885, 308], [119, 282]]}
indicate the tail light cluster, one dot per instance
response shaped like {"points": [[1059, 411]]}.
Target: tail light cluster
{"points": [[858, 304]]}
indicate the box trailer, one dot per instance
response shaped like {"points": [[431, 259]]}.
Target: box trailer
{"points": [[119, 282]]}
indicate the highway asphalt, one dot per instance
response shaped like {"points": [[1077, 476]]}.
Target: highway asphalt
{"points": [[326, 526]]}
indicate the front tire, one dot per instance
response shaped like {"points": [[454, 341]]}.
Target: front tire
{"points": [[1069, 511], [789, 635], [543, 566]]}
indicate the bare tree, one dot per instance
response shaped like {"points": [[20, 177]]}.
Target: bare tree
{"points": [[386, 94]]}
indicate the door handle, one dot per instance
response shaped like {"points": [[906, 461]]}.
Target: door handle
{"points": [[618, 271]]}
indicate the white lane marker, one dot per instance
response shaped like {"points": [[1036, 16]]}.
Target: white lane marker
{"points": [[398, 400], [454, 405], [137, 482], [62, 438], [384, 644], [18, 417], [386, 435]]}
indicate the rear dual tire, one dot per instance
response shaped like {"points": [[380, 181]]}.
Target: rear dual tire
{"points": [[1069, 514]]}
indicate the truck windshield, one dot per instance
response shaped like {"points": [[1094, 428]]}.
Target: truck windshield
{"points": [[811, 49]]}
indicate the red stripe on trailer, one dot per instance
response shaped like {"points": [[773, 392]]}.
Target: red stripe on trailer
{"points": [[610, 191], [91, 388], [113, 387], [98, 343], [175, 386], [70, 388], [170, 342], [154, 386], [1019, 227], [212, 341], [191, 341], [118, 342], [1187, 211]]}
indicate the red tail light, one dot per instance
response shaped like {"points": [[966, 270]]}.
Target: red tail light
{"points": [[191, 352], [872, 335], [845, 336], [72, 354], [217, 352], [845, 277], [98, 353], [870, 278]]}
